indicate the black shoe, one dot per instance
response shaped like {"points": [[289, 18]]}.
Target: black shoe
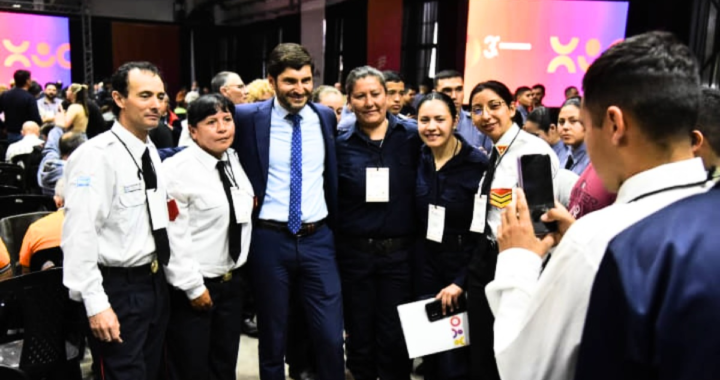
{"points": [[249, 328]]}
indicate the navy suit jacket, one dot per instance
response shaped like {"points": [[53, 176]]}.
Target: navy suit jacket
{"points": [[252, 144], [655, 306]]}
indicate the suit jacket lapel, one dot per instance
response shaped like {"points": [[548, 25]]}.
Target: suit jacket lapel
{"points": [[262, 134]]}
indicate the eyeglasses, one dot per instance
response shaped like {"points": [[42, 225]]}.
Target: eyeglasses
{"points": [[492, 107]]}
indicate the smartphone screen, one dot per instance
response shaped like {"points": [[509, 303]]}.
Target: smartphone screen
{"points": [[536, 181]]}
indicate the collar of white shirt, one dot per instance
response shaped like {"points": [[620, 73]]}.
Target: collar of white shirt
{"points": [[662, 177], [207, 160], [135, 145], [508, 137], [282, 113]]}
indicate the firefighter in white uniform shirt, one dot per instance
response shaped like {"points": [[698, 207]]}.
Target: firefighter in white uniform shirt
{"points": [[114, 236], [211, 238], [492, 110]]}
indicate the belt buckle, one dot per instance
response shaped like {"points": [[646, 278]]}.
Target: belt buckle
{"points": [[154, 266], [227, 277]]}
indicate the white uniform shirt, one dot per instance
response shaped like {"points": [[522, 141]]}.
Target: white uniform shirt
{"points": [[106, 215], [515, 143], [539, 319], [199, 235]]}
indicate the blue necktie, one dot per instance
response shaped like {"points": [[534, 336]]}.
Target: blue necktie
{"points": [[295, 215]]}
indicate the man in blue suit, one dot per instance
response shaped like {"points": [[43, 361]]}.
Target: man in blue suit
{"points": [[655, 303], [286, 146]]}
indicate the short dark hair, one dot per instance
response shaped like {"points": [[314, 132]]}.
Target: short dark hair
{"points": [[219, 80], [540, 87], [359, 73], [709, 118], [392, 76], [21, 77], [48, 84], [120, 79], [288, 55], [442, 97], [35, 89], [446, 74], [521, 90], [208, 105], [653, 77], [541, 117], [497, 87], [570, 88], [70, 141]]}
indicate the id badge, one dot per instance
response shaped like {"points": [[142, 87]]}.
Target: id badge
{"points": [[243, 204], [377, 185], [479, 214], [436, 223], [158, 209]]}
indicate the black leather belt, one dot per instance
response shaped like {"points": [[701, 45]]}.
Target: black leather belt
{"points": [[131, 272], [379, 246], [306, 229], [453, 242], [224, 278]]}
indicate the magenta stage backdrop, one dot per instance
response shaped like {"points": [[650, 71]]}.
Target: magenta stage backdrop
{"points": [[524, 42], [40, 44]]}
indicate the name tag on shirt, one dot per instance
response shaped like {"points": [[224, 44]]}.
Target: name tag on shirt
{"points": [[243, 204], [377, 185], [436, 223], [158, 209], [479, 214], [132, 188]]}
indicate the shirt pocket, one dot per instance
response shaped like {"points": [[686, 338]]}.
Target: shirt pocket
{"points": [[209, 203], [132, 199]]}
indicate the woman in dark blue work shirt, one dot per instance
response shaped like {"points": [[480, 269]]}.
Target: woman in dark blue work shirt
{"points": [[375, 234], [447, 184]]}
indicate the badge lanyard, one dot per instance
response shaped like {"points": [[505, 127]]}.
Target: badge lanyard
{"points": [[666, 189], [140, 172]]}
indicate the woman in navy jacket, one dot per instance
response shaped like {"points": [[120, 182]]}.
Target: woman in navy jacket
{"points": [[448, 178]]}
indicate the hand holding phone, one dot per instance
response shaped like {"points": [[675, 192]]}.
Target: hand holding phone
{"points": [[536, 180]]}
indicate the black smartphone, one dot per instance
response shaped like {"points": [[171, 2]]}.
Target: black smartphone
{"points": [[434, 309], [536, 180]]}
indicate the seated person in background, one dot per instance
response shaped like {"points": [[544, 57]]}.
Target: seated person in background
{"points": [[44, 233], [706, 137], [5, 267], [258, 91], [31, 139], [51, 167]]}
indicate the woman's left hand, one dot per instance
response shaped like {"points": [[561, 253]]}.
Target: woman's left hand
{"points": [[449, 297]]}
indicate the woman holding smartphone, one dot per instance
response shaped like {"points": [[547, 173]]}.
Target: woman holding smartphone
{"points": [[449, 172]]}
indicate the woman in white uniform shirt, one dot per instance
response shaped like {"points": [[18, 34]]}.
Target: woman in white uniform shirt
{"points": [[492, 111], [210, 235]]}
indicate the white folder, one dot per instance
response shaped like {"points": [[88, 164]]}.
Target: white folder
{"points": [[423, 337]]}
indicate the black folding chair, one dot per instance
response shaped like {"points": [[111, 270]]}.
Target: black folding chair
{"points": [[25, 203], [31, 164], [12, 232], [10, 190], [9, 373], [3, 149], [39, 258], [12, 175]]}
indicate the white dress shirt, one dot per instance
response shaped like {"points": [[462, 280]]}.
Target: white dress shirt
{"points": [[516, 143], [23, 146], [106, 215], [539, 319], [276, 205], [199, 234]]}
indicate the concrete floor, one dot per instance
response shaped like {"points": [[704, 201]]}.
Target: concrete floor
{"points": [[247, 366]]}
